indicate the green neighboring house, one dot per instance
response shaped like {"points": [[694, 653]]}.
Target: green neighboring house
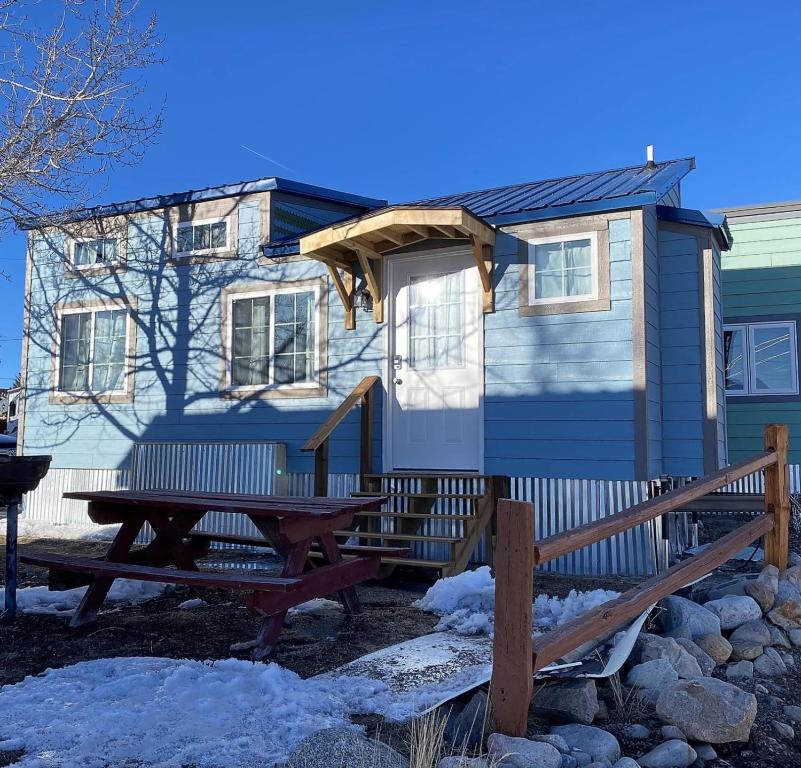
{"points": [[761, 312]]}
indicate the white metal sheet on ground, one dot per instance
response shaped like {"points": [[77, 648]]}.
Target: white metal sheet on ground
{"points": [[424, 673]]}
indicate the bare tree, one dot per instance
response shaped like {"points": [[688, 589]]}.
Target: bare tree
{"points": [[71, 101]]}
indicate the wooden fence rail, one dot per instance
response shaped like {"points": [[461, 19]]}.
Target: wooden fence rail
{"points": [[517, 656]]}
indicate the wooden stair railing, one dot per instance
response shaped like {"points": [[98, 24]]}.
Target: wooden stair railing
{"points": [[362, 394]]}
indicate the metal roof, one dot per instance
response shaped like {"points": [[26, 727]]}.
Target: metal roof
{"points": [[602, 190], [707, 219], [265, 184]]}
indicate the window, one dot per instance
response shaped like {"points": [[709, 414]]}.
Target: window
{"points": [[436, 330], [274, 338], [563, 269], [761, 358], [91, 252], [193, 237], [92, 350]]}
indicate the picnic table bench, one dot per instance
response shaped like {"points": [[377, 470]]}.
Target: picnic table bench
{"points": [[295, 527]]}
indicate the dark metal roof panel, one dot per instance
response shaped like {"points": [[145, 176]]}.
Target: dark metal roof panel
{"points": [[638, 180]]}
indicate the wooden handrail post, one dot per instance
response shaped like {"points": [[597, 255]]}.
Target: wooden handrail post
{"points": [[512, 661], [321, 469], [777, 497], [366, 447]]}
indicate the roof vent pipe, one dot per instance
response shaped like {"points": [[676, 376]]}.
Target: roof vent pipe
{"points": [[649, 156]]}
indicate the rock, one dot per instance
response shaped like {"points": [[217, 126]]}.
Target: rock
{"points": [[764, 587], [466, 727], [793, 575], [521, 753], [717, 646], [672, 732], [734, 610], [741, 669], [457, 761], [568, 761], [778, 637], [555, 741], [626, 762], [582, 758], [793, 713], [788, 659], [770, 664], [343, 746], [794, 559], [651, 677], [704, 660], [677, 611], [795, 637], [602, 715], [747, 650], [652, 647], [599, 744], [786, 613], [759, 688], [677, 633], [724, 589], [708, 709], [670, 754], [636, 731], [756, 631], [573, 701], [705, 752], [784, 730]]}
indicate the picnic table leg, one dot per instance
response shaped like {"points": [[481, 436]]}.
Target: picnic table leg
{"points": [[331, 554], [294, 563], [96, 592]]}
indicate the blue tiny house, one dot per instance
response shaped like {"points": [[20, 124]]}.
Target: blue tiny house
{"points": [[564, 328]]}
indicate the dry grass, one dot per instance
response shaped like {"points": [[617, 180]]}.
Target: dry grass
{"points": [[627, 704]]}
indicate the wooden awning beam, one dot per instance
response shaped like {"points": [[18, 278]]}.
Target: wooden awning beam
{"points": [[345, 290], [364, 256]]}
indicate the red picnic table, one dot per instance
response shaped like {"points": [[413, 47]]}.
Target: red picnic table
{"points": [[297, 528]]}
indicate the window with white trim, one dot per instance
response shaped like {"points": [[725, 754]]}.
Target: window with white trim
{"points": [[274, 338], [761, 358], [92, 350], [563, 269], [201, 237], [101, 250]]}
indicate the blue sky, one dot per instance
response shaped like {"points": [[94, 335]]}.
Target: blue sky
{"points": [[410, 99]]}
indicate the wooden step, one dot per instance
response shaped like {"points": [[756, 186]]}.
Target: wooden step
{"points": [[436, 564], [399, 536], [417, 515], [411, 495]]}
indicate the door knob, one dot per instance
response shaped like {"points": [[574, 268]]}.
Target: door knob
{"points": [[397, 381]]}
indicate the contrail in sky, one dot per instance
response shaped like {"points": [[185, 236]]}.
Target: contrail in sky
{"points": [[268, 159]]}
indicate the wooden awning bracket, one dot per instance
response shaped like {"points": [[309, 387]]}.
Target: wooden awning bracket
{"points": [[345, 288], [370, 262], [482, 253]]}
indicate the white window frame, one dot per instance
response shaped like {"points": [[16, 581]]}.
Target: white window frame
{"points": [[196, 223], [95, 264], [90, 375], [315, 383], [534, 300], [748, 329]]}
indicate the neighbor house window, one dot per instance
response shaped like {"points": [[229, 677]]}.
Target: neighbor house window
{"points": [[274, 338], [563, 269], [101, 250], [199, 237], [92, 350], [761, 358]]}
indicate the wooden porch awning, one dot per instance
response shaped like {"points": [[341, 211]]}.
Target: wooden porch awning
{"points": [[365, 240]]}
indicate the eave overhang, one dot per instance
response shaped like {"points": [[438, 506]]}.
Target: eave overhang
{"points": [[365, 241]]}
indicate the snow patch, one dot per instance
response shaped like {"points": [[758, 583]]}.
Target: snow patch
{"points": [[317, 605], [466, 604], [42, 600], [167, 712], [40, 529], [195, 602]]}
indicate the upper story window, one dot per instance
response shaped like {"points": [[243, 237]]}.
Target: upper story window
{"points": [[92, 350], [98, 251], [761, 358], [274, 338], [563, 269], [201, 237]]}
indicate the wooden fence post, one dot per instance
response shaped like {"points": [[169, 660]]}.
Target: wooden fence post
{"points": [[777, 497], [512, 662]]}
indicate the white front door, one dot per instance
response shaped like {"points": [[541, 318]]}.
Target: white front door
{"points": [[436, 375]]}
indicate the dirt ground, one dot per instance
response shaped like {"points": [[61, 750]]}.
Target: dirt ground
{"points": [[314, 644]]}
